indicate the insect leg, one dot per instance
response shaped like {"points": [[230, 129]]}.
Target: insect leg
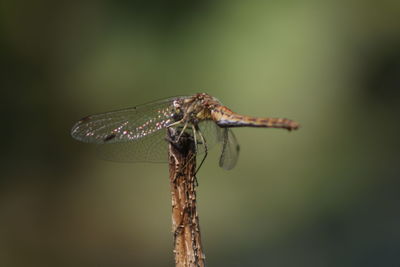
{"points": [[203, 141], [182, 131]]}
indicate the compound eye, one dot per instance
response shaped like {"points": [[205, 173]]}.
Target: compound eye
{"points": [[176, 104]]}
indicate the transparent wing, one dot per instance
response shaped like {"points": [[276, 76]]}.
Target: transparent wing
{"points": [[124, 125], [211, 134], [152, 148], [230, 149]]}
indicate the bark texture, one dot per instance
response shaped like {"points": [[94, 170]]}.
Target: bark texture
{"points": [[185, 220]]}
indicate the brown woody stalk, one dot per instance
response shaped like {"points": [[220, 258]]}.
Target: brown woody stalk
{"points": [[185, 220]]}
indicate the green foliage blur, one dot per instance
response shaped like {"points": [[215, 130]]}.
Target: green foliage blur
{"points": [[325, 195]]}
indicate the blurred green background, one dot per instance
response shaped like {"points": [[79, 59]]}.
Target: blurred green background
{"points": [[326, 195]]}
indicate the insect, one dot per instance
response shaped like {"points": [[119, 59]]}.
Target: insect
{"points": [[139, 134]]}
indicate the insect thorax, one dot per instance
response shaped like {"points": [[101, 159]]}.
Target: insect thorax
{"points": [[193, 109]]}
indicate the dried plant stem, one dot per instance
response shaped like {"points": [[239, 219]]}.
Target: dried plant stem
{"points": [[185, 220]]}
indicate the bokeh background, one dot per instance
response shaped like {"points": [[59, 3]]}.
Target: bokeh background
{"points": [[326, 195]]}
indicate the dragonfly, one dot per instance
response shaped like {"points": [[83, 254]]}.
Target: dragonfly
{"points": [[138, 134]]}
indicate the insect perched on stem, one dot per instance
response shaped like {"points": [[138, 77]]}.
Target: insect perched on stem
{"points": [[138, 134]]}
